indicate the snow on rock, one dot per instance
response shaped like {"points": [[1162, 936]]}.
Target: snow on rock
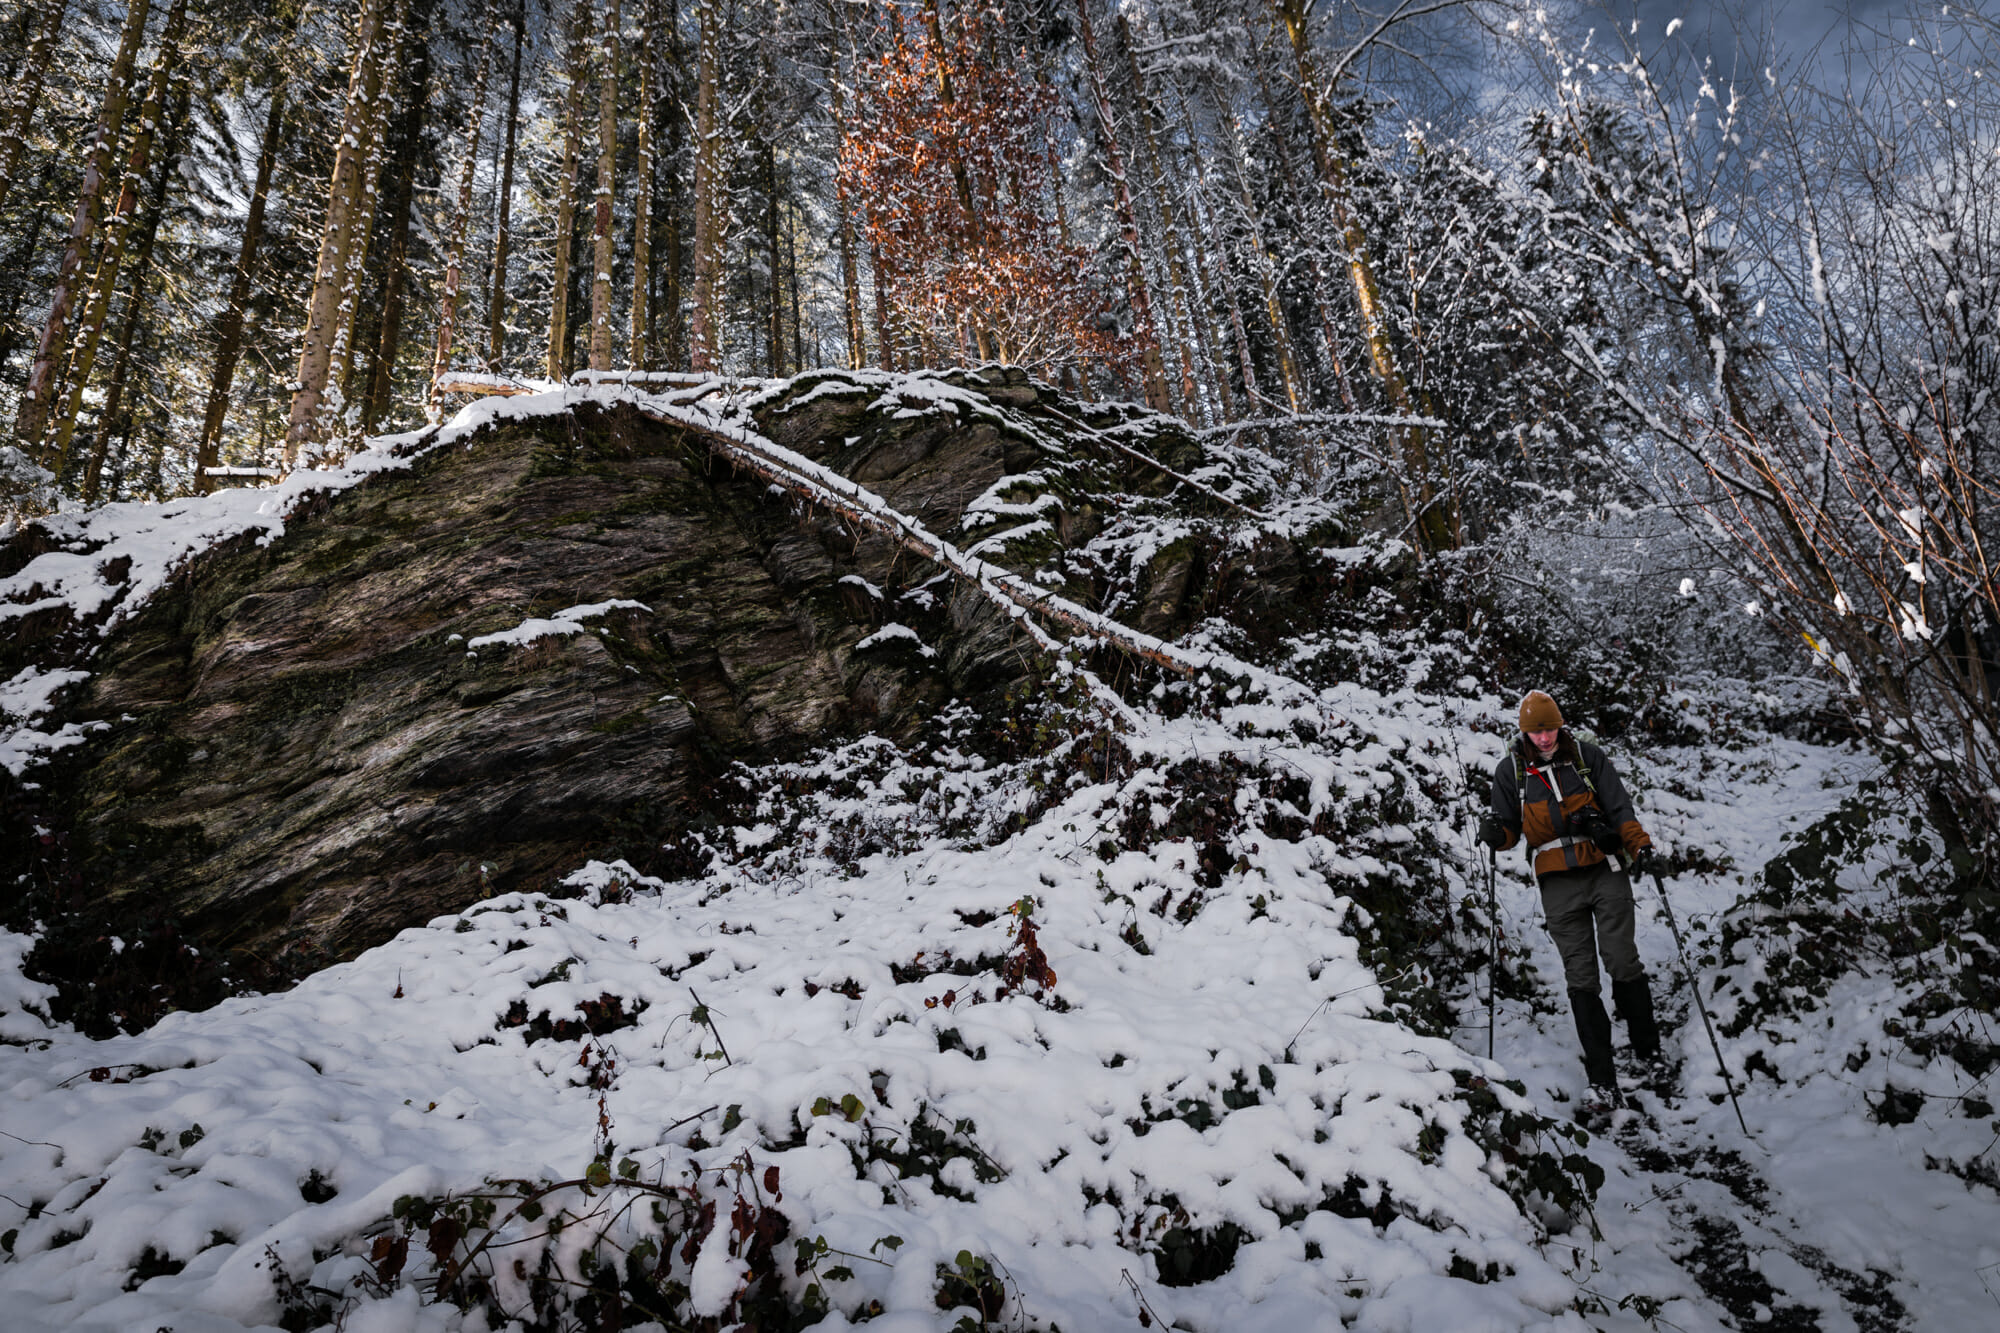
{"points": [[891, 631], [563, 623], [937, 1018]]}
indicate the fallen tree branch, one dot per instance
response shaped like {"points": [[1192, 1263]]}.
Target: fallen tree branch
{"points": [[802, 477]]}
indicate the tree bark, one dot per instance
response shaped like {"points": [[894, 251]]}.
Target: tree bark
{"points": [[16, 263], [1152, 365], [111, 253], [331, 288], [792, 283], [639, 348], [558, 359], [885, 342], [1433, 525], [135, 302], [961, 177], [33, 415], [496, 333], [1260, 256], [345, 347], [26, 94], [850, 277], [229, 329], [607, 166], [775, 323], [454, 264], [672, 343], [704, 335], [1183, 296], [381, 374]]}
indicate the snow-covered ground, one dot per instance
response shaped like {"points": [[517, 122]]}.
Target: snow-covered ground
{"points": [[403, 1074], [1062, 1063], [1826, 1202]]}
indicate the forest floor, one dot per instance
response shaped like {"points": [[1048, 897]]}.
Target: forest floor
{"points": [[1833, 1214], [1191, 1095]]}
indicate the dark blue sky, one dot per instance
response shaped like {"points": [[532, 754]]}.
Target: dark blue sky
{"points": [[1793, 27]]}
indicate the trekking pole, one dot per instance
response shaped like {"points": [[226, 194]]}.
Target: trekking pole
{"points": [[1493, 949], [1694, 989]]}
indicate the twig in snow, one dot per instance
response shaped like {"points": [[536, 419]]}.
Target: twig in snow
{"points": [[702, 1016], [1658, 1195], [1353, 990], [696, 1116], [1147, 1318]]}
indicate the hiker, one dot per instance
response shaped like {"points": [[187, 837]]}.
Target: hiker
{"points": [[1565, 796]]}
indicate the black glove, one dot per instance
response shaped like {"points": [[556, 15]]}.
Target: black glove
{"points": [[1642, 859], [1590, 823], [1493, 833]]}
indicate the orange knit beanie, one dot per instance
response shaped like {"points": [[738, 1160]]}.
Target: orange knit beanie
{"points": [[1539, 712]]}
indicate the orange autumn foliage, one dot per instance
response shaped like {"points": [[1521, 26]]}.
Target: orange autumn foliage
{"points": [[949, 159]]}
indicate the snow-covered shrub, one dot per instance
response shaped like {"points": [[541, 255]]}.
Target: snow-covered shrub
{"points": [[1866, 897]]}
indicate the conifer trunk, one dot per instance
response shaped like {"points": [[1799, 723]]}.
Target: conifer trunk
{"points": [[454, 264], [111, 252], [1182, 296], [496, 333], [850, 277], [1152, 365], [775, 321], [1433, 525], [345, 347], [32, 418], [229, 329], [135, 301], [884, 343], [558, 358], [18, 117], [381, 374], [607, 166], [704, 340], [639, 347], [346, 197]]}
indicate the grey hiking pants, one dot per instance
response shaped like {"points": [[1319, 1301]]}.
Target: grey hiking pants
{"points": [[1590, 911]]}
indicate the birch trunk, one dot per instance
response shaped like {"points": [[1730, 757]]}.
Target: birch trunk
{"points": [[32, 418]]}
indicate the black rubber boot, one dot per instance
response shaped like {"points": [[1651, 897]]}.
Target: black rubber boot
{"points": [[1634, 1001], [1593, 1028]]}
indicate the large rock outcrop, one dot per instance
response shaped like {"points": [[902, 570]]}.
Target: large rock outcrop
{"points": [[306, 745]]}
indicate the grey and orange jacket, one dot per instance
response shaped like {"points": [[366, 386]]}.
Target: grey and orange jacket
{"points": [[1549, 793]]}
